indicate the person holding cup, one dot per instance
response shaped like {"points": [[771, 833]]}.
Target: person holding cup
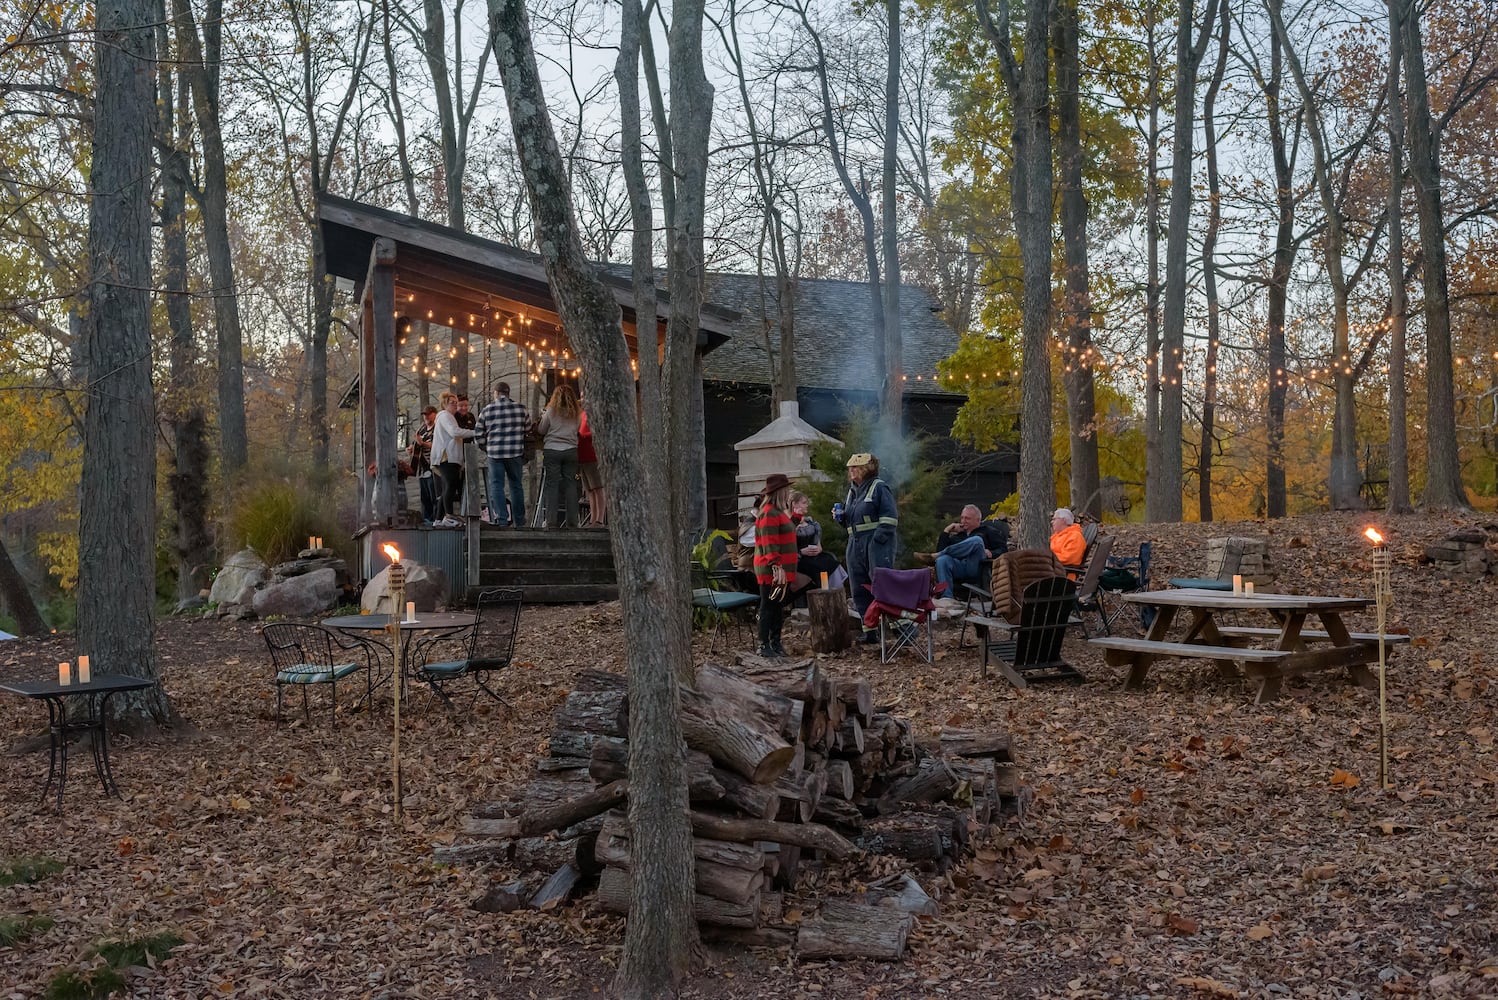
{"points": [[870, 516]]}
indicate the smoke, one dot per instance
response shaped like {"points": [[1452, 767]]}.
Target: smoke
{"points": [[896, 454]]}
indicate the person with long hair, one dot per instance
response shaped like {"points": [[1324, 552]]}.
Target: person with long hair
{"points": [[812, 560], [774, 560], [559, 427], [447, 458]]}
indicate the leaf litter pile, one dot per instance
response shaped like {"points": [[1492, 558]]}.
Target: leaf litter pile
{"points": [[1181, 841]]}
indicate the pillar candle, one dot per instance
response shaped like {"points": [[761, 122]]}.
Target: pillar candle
{"points": [[410, 611], [1248, 588], [311, 541], [1237, 584], [824, 581], [64, 673], [84, 675]]}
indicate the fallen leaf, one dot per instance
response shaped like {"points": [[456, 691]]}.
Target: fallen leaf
{"points": [[1345, 779], [1182, 925], [1259, 932]]}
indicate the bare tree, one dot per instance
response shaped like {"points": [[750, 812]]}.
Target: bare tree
{"points": [[894, 363], [1209, 266], [1162, 488], [1028, 88], [117, 495], [199, 62], [661, 934], [1399, 453]]}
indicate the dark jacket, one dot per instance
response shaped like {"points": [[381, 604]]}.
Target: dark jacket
{"points": [[995, 535]]}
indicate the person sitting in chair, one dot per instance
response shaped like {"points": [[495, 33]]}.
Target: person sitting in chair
{"points": [[1067, 541], [963, 547]]}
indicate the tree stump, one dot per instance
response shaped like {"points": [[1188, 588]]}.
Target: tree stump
{"points": [[828, 609]]}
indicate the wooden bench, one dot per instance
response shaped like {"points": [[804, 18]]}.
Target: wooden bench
{"points": [[1138, 654], [1312, 635]]}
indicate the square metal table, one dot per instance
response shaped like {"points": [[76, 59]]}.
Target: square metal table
{"points": [[95, 697]]}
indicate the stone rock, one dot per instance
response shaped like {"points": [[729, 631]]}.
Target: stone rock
{"points": [[299, 596], [1443, 552], [242, 569], [426, 585], [1473, 536], [301, 567]]}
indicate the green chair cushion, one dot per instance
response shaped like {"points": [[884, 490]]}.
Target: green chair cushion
{"points": [[722, 600], [314, 673], [446, 668]]}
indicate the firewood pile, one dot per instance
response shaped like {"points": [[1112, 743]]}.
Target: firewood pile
{"points": [[785, 764]]}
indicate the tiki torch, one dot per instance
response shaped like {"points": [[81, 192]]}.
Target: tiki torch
{"points": [[1382, 594], [397, 599]]}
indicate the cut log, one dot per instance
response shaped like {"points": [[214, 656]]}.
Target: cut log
{"points": [[544, 820], [614, 892], [544, 854], [610, 761], [913, 836], [966, 743], [789, 868], [799, 794], [719, 852], [839, 812], [800, 679], [736, 740], [835, 711], [599, 680], [555, 890], [751, 937], [719, 881], [858, 694], [850, 736], [571, 743], [903, 893], [839, 779], [600, 712], [773, 708], [933, 782], [846, 929], [497, 809], [745, 831], [771, 907], [754, 801], [828, 611], [500, 851], [505, 898]]}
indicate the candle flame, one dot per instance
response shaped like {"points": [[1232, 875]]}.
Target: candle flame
{"points": [[1373, 536], [391, 551]]}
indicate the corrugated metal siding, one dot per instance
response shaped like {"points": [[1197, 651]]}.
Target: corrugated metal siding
{"points": [[443, 548]]}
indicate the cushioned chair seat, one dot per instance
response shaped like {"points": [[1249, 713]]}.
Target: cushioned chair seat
{"points": [[310, 673], [446, 668], [723, 600]]}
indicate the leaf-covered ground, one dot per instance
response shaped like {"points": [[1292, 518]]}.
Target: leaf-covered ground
{"points": [[1182, 841]]}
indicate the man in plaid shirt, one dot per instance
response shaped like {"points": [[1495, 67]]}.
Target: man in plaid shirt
{"points": [[500, 431]]}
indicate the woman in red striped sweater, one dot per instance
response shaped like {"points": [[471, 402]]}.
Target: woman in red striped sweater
{"points": [[774, 560]]}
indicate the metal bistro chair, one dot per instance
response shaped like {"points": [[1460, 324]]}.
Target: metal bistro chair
{"points": [[310, 654], [720, 605], [483, 648]]}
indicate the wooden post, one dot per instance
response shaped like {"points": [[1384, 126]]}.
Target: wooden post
{"points": [[828, 609], [365, 452], [381, 311]]}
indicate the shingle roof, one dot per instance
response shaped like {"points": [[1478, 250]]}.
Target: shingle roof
{"points": [[834, 334]]}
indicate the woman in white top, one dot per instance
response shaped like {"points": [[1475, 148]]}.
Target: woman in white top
{"points": [[558, 427], [447, 457]]}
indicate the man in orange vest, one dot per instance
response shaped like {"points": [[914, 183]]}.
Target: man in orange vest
{"points": [[1067, 543]]}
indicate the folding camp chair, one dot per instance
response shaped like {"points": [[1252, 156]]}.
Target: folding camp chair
{"points": [[1087, 587], [901, 608], [1139, 566]]}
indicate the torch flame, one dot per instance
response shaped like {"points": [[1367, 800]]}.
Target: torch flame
{"points": [[1373, 536], [391, 551]]}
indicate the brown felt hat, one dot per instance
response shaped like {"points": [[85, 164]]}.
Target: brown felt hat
{"points": [[777, 481]]}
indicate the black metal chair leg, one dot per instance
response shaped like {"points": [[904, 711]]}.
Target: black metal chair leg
{"points": [[306, 714]]}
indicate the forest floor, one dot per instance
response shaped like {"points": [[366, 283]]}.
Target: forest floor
{"points": [[1182, 840]]}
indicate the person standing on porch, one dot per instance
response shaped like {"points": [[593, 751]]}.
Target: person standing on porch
{"points": [[500, 431], [559, 426], [447, 458], [870, 516], [421, 461]]}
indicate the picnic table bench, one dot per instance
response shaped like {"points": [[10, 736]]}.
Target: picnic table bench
{"points": [[1288, 654]]}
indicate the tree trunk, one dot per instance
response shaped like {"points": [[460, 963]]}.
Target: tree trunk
{"points": [[193, 544], [1081, 406], [830, 632], [661, 934], [1028, 87], [1152, 466], [892, 398], [1209, 272], [1279, 287], [1443, 473], [117, 494], [199, 63], [1399, 455], [15, 596], [1166, 504]]}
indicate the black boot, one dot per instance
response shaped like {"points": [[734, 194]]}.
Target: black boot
{"points": [[778, 651]]}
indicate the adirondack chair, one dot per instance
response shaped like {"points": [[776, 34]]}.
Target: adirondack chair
{"points": [[1032, 653]]}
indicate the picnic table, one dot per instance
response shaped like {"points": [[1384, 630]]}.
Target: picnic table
{"points": [[1289, 648]]}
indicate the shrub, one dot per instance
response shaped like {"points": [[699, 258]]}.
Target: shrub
{"points": [[14, 930], [26, 870], [275, 518]]}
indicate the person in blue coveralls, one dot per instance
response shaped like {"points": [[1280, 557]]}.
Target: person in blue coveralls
{"points": [[869, 515]]}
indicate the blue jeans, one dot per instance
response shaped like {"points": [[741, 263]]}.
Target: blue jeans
{"points": [[501, 469], [431, 497], [959, 561]]}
